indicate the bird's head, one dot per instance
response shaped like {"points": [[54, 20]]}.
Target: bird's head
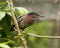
{"points": [[35, 15]]}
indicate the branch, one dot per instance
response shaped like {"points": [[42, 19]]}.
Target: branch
{"points": [[20, 33], [38, 36]]}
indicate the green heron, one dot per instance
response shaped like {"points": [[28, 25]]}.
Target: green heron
{"points": [[26, 20]]}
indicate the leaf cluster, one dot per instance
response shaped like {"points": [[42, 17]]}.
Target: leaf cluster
{"points": [[6, 35]]}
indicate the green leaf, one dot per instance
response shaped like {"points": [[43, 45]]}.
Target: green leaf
{"points": [[20, 10], [3, 2], [5, 24], [4, 46], [5, 42], [2, 15], [8, 13], [16, 37]]}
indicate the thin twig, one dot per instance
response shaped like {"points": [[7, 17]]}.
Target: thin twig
{"points": [[38, 36], [20, 33]]}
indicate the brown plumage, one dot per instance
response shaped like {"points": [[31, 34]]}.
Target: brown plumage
{"points": [[26, 20]]}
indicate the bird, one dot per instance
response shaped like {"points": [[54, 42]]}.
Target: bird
{"points": [[26, 20]]}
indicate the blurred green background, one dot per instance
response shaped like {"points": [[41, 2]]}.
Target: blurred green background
{"points": [[50, 25]]}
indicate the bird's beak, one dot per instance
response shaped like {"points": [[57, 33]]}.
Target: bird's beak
{"points": [[42, 16]]}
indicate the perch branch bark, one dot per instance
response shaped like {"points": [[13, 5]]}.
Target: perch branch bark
{"points": [[20, 33]]}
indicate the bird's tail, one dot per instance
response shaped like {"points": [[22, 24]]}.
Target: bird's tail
{"points": [[12, 27]]}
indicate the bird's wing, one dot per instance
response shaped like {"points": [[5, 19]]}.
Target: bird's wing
{"points": [[19, 18]]}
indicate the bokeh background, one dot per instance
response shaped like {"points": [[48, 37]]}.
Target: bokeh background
{"points": [[49, 26]]}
